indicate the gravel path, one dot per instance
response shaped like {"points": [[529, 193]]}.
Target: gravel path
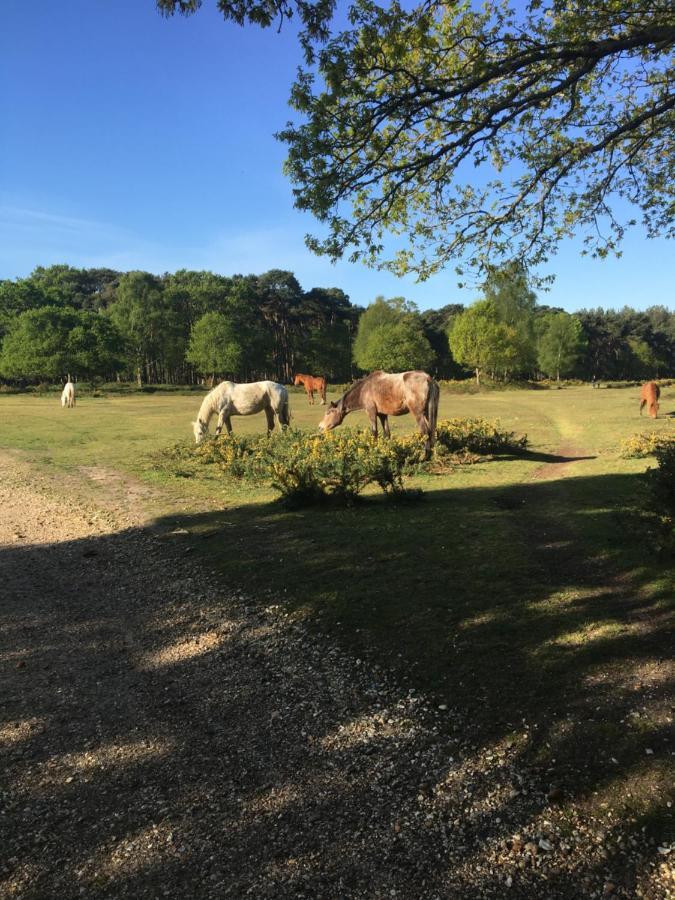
{"points": [[161, 736]]}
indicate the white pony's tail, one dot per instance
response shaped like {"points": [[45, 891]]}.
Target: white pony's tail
{"points": [[285, 412]]}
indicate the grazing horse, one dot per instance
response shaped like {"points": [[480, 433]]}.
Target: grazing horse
{"points": [[229, 399], [649, 397], [312, 383], [68, 395], [381, 395]]}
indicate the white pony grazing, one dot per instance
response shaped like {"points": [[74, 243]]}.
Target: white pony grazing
{"points": [[68, 395], [229, 399]]}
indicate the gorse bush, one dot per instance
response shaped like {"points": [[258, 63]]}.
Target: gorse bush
{"points": [[646, 444], [477, 436], [305, 468], [308, 467]]}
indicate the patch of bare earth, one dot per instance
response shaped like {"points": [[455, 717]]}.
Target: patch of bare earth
{"points": [[160, 736]]}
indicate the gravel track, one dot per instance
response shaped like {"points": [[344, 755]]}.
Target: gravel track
{"points": [[163, 736]]}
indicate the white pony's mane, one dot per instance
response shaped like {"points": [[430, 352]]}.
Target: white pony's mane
{"points": [[213, 401]]}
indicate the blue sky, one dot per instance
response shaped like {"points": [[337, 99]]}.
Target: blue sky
{"points": [[136, 142]]}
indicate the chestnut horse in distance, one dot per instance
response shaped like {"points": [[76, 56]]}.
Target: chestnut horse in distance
{"points": [[649, 397], [381, 395], [312, 383]]}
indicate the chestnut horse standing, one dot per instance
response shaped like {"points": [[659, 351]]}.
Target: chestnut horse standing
{"points": [[381, 395], [312, 383], [649, 397]]}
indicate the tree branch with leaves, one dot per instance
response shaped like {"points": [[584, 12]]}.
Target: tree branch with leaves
{"points": [[475, 137]]}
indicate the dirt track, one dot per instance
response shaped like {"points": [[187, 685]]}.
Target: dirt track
{"points": [[162, 737]]}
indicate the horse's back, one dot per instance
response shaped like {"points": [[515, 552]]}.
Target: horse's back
{"points": [[257, 395], [395, 393]]}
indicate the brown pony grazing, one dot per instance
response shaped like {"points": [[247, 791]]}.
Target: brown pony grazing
{"points": [[381, 394], [649, 397], [312, 383]]}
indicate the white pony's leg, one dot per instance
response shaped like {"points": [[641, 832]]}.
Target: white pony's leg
{"points": [[224, 419], [269, 415]]}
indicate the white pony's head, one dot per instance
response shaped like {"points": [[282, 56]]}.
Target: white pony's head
{"points": [[199, 428]]}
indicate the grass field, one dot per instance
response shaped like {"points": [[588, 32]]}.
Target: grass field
{"points": [[523, 592]]}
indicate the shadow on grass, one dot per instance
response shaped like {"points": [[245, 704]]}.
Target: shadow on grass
{"points": [[539, 456], [163, 741]]}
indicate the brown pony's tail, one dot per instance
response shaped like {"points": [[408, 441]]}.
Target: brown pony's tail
{"points": [[431, 410], [323, 389]]}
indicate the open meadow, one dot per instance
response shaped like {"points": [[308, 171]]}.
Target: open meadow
{"points": [[525, 594]]}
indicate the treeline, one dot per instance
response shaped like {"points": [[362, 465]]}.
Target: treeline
{"points": [[184, 327], [173, 328]]}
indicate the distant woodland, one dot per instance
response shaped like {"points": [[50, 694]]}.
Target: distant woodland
{"points": [[182, 328]]}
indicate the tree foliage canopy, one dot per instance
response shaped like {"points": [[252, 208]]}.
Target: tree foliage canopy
{"points": [[391, 337], [98, 323], [491, 133], [560, 343], [214, 347], [314, 15], [480, 341], [49, 343]]}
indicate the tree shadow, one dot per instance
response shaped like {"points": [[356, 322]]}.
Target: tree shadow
{"points": [[165, 735], [541, 457]]}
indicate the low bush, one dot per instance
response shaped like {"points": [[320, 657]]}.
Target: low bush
{"points": [[477, 436], [662, 480], [646, 444], [305, 468]]}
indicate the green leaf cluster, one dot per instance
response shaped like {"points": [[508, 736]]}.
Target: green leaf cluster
{"points": [[391, 337]]}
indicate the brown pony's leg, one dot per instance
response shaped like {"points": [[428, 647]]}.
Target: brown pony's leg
{"points": [[642, 405], [425, 429], [372, 415], [384, 421], [310, 396]]}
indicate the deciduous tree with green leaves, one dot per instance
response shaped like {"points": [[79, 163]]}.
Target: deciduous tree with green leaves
{"points": [[391, 336], [560, 343], [482, 133], [146, 323], [49, 343], [480, 341], [214, 348]]}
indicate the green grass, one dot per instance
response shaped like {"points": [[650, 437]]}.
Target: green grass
{"points": [[518, 588]]}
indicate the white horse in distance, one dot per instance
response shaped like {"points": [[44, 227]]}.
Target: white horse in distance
{"points": [[68, 395], [229, 399]]}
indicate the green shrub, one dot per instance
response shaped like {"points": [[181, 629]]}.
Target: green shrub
{"points": [[477, 436], [307, 467], [662, 479], [646, 444]]}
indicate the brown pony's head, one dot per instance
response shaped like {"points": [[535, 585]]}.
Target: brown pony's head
{"points": [[333, 416], [298, 380]]}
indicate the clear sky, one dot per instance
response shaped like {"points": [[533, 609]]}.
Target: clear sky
{"points": [[136, 142]]}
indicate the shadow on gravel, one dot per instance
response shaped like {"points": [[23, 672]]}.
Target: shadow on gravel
{"points": [[162, 738]]}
